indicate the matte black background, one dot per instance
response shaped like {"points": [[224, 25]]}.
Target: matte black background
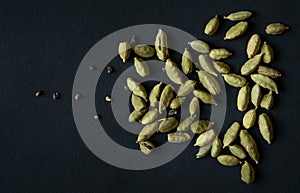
{"points": [[43, 42]]}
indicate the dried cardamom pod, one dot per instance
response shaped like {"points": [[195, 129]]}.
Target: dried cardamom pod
{"points": [[203, 150], [149, 117], [268, 53], [256, 95], [234, 80], [231, 134], [174, 74], [194, 107], [209, 82], [212, 26], [276, 28], [249, 118], [144, 51], [221, 67], [137, 88], [199, 46], [136, 115], [205, 97], [124, 50], [167, 125], [271, 72], [146, 147], [265, 127], [161, 45], [253, 45], [220, 53], [201, 126], [165, 98], [237, 151], [137, 102], [185, 125], [186, 62], [249, 144], [207, 64], [141, 67], [265, 82], [178, 137], [177, 102], [236, 30], [243, 98], [267, 101], [251, 64], [247, 173], [186, 88], [228, 160], [216, 147], [205, 138], [238, 16], [155, 94], [148, 131]]}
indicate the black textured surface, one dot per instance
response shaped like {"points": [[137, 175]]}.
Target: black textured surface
{"points": [[43, 42]]}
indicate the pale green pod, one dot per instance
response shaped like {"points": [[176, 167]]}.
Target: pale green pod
{"points": [[237, 151], [137, 88], [185, 124], [149, 117], [209, 82], [265, 127], [173, 72], [124, 50], [267, 101], [201, 126], [186, 62], [144, 51], [249, 144], [136, 115], [243, 98], [186, 88], [204, 150], [247, 173], [166, 97], [228, 160], [146, 147], [205, 138], [199, 46], [234, 80], [167, 125], [205, 97], [231, 134], [268, 53], [271, 72], [236, 30], [238, 16], [276, 28], [251, 64], [249, 118], [216, 147], [207, 64], [148, 131], [155, 94], [212, 26], [177, 102], [161, 45], [219, 53], [253, 45], [265, 82], [256, 95], [178, 137], [141, 67], [221, 67], [194, 107], [137, 102]]}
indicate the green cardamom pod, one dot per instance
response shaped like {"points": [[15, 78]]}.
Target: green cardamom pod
{"points": [[249, 118], [141, 67], [243, 98], [256, 95], [268, 53], [174, 74], [207, 64], [186, 62], [161, 45], [124, 50], [185, 125], [155, 94], [199, 46], [249, 144], [177, 102], [265, 127], [253, 45], [231, 134], [205, 97], [216, 147], [205, 138], [166, 97], [237, 151], [149, 117], [194, 107], [136, 115], [247, 173], [167, 125], [148, 131], [220, 53], [144, 51], [178, 137], [137, 102], [228, 160], [251, 64], [209, 82], [276, 28], [212, 26], [265, 82], [146, 147], [234, 80], [221, 67], [186, 88], [201, 126], [137, 88], [271, 72], [203, 150], [238, 16], [236, 30], [267, 101]]}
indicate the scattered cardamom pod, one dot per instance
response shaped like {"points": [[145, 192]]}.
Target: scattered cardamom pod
{"points": [[249, 118], [276, 28], [178, 137], [209, 82], [265, 82], [137, 102], [167, 125], [149, 117], [177, 102], [174, 74], [253, 45], [161, 45], [249, 144], [205, 138], [271, 72], [267, 101], [220, 53], [231, 134], [194, 107], [212, 26], [237, 151], [166, 97], [186, 88], [221, 67], [148, 131], [155, 94], [256, 95], [124, 50], [228, 160], [265, 127], [247, 173], [146, 147], [201, 126], [144, 51], [136, 115], [199, 46], [268, 53], [207, 64], [216, 147], [234, 80], [203, 150], [137, 88], [185, 124], [238, 16], [186, 62], [243, 98], [251, 64], [236, 30], [141, 67], [204, 97]]}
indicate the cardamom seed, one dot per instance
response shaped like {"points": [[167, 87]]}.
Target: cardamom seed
{"points": [[194, 107], [276, 28], [184, 125], [165, 98], [251, 64], [243, 98], [204, 97], [161, 45], [186, 62], [212, 26], [203, 150], [268, 53], [249, 144], [267, 101], [141, 67], [205, 138], [174, 74], [177, 102], [124, 50], [137, 88], [207, 64], [256, 95], [234, 80], [249, 118], [221, 67], [148, 131], [247, 173], [137, 102], [144, 51], [237, 151], [216, 148], [209, 82], [265, 82], [199, 46], [236, 30], [155, 94], [167, 125], [231, 134], [149, 117], [265, 127], [186, 88], [228, 160], [201, 126], [146, 147], [253, 45], [238, 16], [178, 137], [136, 115], [220, 53], [271, 72]]}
